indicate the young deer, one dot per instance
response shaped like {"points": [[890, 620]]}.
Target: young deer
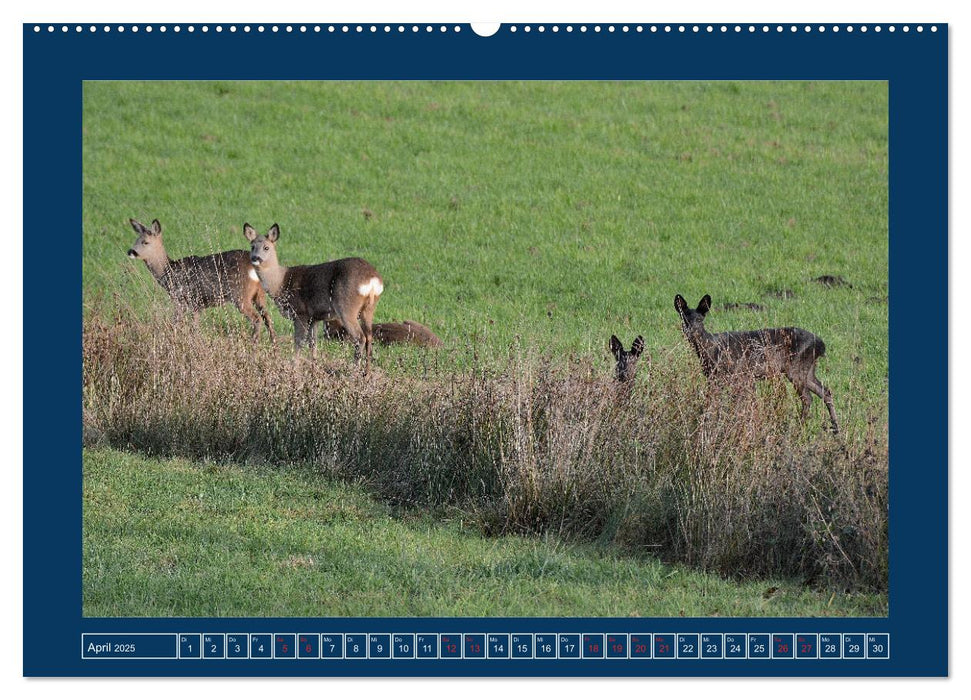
{"points": [[196, 283], [346, 290], [791, 352], [391, 333], [626, 368]]}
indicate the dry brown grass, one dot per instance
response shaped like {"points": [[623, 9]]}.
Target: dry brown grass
{"points": [[724, 481]]}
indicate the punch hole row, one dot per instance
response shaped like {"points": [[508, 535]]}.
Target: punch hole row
{"points": [[722, 28], [513, 29], [247, 28]]}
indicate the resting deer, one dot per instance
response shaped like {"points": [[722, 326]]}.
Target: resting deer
{"points": [[346, 290], [791, 352], [391, 333], [196, 283]]}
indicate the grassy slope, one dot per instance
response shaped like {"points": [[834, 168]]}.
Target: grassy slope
{"points": [[561, 212], [177, 538]]}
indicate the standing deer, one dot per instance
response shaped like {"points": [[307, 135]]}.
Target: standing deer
{"points": [[196, 283], [791, 352], [346, 290], [390, 333]]}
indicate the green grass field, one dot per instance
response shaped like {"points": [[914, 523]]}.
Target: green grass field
{"points": [[177, 538], [517, 220], [556, 212]]}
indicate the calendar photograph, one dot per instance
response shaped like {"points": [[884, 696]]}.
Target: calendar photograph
{"points": [[471, 349]]}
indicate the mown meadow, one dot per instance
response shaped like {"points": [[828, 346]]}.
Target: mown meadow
{"points": [[524, 223]]}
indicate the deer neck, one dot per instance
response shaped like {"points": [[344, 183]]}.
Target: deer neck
{"points": [[272, 278], [703, 344], [159, 265]]}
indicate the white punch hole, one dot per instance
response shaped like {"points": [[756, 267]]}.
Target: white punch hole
{"points": [[485, 28]]}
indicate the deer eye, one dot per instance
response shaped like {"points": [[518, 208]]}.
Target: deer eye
{"points": [[266, 247]]}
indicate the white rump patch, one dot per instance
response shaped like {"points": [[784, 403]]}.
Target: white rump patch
{"points": [[253, 276], [374, 286]]}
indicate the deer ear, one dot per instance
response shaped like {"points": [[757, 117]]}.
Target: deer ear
{"points": [[616, 347], [273, 234], [638, 347], [156, 228], [138, 226], [704, 306], [249, 232], [680, 305]]}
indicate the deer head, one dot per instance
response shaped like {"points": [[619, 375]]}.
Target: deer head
{"points": [[626, 368], [148, 245], [692, 320], [262, 248]]}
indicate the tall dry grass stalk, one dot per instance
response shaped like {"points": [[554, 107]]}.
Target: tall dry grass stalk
{"points": [[726, 481]]}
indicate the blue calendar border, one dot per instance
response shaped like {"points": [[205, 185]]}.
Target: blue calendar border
{"points": [[916, 67]]}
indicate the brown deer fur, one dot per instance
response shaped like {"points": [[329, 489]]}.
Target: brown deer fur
{"points": [[347, 290], [409, 332], [196, 283], [741, 355]]}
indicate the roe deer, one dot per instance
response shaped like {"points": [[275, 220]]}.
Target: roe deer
{"points": [[391, 333], [346, 290], [791, 352], [196, 283], [626, 368]]}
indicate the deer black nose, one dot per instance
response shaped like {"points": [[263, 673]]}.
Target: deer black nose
{"points": [[132, 253]]}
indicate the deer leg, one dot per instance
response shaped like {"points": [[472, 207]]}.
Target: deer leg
{"points": [[367, 328], [245, 307], [300, 330], [807, 400], [259, 301], [826, 395], [312, 338], [828, 400], [802, 382], [355, 333]]}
